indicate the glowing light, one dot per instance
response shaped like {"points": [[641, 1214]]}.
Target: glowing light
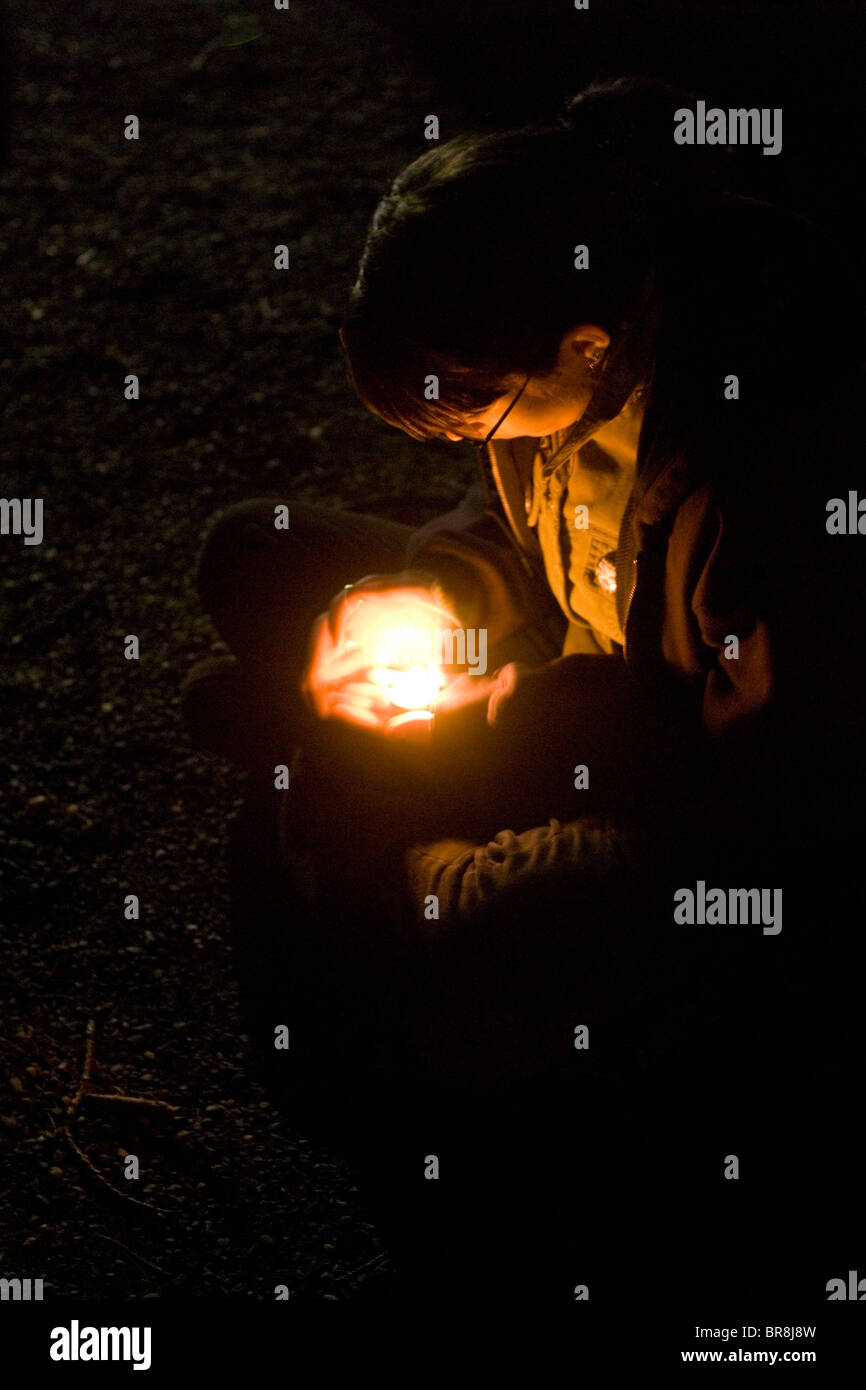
{"points": [[412, 688], [394, 642], [416, 719]]}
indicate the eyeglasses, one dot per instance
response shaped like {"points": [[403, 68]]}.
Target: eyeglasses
{"points": [[501, 421], [481, 444]]}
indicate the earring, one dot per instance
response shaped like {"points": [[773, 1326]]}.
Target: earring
{"points": [[595, 358]]}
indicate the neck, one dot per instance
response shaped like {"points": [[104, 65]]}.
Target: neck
{"points": [[619, 437]]}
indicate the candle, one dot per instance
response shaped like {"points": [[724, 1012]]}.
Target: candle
{"points": [[410, 687], [390, 645]]}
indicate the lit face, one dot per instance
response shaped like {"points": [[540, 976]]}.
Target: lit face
{"points": [[548, 403]]}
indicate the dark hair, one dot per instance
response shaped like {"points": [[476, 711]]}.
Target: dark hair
{"points": [[468, 269]]}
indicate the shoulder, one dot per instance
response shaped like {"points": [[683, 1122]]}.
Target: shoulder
{"points": [[756, 292], [745, 262]]}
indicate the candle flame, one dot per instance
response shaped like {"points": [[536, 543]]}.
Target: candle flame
{"points": [[412, 688]]}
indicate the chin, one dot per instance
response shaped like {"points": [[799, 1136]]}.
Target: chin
{"points": [[562, 422]]}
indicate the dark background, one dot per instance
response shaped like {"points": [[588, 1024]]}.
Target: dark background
{"points": [[156, 257]]}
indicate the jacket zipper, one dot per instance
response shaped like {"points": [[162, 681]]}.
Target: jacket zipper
{"points": [[629, 597], [626, 567]]}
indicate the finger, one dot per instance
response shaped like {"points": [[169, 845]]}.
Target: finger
{"points": [[313, 689], [368, 693], [318, 648], [420, 580], [411, 726], [412, 590], [464, 690], [361, 690], [362, 694], [504, 684], [341, 664], [356, 714]]}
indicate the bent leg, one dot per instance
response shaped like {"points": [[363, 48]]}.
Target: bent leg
{"points": [[264, 587]]}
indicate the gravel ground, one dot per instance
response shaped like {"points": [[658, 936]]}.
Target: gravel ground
{"points": [[155, 257]]}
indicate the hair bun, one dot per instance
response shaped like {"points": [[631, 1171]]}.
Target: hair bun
{"points": [[626, 127]]}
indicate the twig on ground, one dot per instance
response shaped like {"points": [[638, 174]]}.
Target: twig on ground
{"points": [[74, 1107], [133, 1253], [376, 1260], [105, 1099], [85, 1069], [121, 1196]]}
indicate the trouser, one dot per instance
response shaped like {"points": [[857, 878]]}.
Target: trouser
{"points": [[351, 1074], [264, 587], [542, 1185]]}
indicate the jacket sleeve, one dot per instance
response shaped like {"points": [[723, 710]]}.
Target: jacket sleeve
{"points": [[716, 624], [762, 607], [488, 583], [467, 878], [587, 790]]}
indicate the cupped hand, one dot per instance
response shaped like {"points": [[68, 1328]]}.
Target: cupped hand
{"points": [[349, 643]]}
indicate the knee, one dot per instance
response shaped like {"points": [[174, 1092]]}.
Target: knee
{"points": [[233, 537]]}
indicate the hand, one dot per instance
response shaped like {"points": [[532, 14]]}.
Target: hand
{"points": [[345, 677], [513, 679], [495, 692]]}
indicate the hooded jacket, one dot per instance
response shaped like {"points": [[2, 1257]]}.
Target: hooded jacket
{"points": [[713, 763], [742, 616]]}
